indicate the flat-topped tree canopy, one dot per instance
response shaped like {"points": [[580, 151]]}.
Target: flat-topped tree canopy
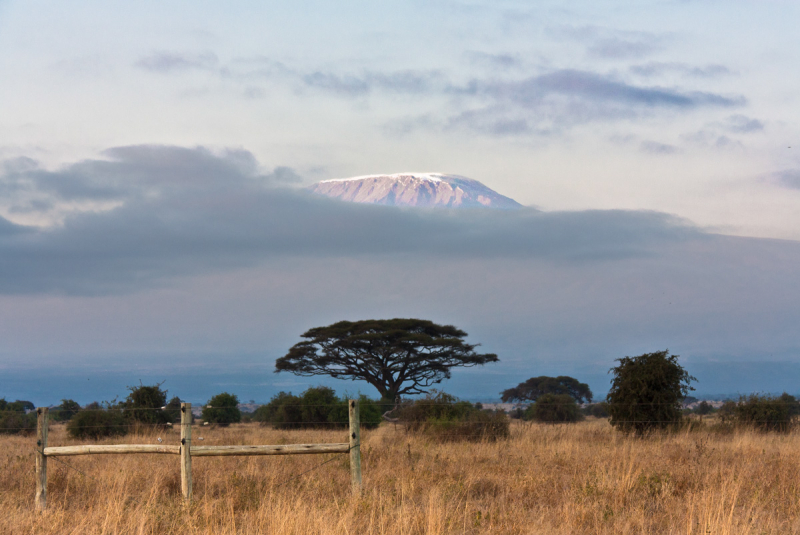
{"points": [[397, 356]]}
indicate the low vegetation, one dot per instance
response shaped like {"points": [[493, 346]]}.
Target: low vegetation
{"points": [[554, 408], [582, 478], [14, 420], [446, 418], [317, 407]]}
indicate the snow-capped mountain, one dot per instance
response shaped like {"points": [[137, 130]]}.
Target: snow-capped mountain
{"points": [[414, 189]]}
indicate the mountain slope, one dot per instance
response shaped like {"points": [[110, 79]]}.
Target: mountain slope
{"points": [[414, 189]]}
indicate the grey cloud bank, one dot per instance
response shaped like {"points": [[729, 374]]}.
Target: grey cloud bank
{"points": [[187, 211]]}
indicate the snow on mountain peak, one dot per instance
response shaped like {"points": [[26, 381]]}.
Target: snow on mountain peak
{"points": [[414, 189], [433, 177]]}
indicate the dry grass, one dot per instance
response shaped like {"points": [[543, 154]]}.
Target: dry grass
{"points": [[581, 478]]}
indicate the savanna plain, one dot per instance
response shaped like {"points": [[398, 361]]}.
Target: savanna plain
{"points": [[555, 479]]}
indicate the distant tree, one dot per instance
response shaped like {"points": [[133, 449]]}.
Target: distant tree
{"points": [[95, 422], [14, 420], [534, 387], [282, 411], [26, 406], [766, 413], [65, 411], [727, 412], [173, 410], [703, 408], [396, 356], [316, 407], [791, 403], [647, 392], [554, 408], [598, 410], [445, 417], [144, 404], [222, 409]]}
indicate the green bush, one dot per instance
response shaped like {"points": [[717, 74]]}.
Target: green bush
{"points": [[173, 410], [65, 411], [703, 408], [370, 412], [222, 409], [97, 422], [766, 413], [144, 405], [647, 392], [445, 417], [282, 412], [316, 407], [598, 410], [13, 419], [554, 408]]}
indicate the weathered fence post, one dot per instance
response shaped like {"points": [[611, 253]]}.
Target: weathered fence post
{"points": [[42, 414], [186, 450], [355, 446]]}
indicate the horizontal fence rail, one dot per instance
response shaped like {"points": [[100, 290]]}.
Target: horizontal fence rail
{"points": [[186, 450], [117, 448], [287, 449]]}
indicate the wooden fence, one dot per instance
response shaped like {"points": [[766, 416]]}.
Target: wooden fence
{"points": [[187, 450]]}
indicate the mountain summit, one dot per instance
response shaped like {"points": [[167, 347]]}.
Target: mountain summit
{"points": [[414, 189]]}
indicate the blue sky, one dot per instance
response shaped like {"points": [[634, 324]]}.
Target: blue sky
{"points": [[153, 158]]}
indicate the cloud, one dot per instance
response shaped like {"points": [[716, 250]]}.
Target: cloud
{"points": [[560, 99], [654, 147], [8, 229], [742, 124], [607, 43], [169, 62], [658, 68], [599, 88], [617, 48], [788, 178], [543, 104], [495, 61], [408, 81], [184, 211]]}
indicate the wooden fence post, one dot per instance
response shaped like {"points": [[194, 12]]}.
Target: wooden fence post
{"points": [[186, 450], [42, 414], [355, 446]]}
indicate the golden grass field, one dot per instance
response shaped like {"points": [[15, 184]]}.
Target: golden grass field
{"points": [[580, 478]]}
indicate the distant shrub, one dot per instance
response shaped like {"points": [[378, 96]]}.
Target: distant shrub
{"points": [[96, 422], [173, 410], [65, 411], [647, 392], [282, 411], [447, 418], [727, 412], [222, 409], [370, 412], [598, 410], [766, 413], [13, 419], [144, 405], [316, 407], [554, 408], [703, 408]]}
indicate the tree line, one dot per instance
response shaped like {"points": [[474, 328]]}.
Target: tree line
{"points": [[402, 357]]}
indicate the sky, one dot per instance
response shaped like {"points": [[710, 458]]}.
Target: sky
{"points": [[155, 226]]}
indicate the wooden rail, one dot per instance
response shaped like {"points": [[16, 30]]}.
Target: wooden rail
{"points": [[186, 450], [285, 449], [120, 448]]}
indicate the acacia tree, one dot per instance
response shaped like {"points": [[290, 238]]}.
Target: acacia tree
{"points": [[647, 392], [396, 356], [536, 387]]}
